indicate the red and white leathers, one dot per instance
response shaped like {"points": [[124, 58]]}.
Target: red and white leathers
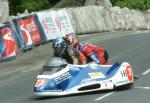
{"points": [[82, 58], [69, 38], [96, 53]]}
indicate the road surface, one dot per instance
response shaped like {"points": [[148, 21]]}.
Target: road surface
{"points": [[17, 76]]}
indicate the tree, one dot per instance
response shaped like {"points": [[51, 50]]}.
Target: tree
{"points": [[19, 6], [132, 4]]}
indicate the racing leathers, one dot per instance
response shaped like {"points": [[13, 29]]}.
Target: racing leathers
{"points": [[71, 54], [95, 53]]}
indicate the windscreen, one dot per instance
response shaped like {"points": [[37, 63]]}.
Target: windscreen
{"points": [[53, 65]]}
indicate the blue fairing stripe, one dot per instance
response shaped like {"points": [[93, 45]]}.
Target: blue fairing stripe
{"points": [[113, 70], [75, 77], [84, 74]]}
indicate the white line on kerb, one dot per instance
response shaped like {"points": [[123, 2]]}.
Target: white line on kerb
{"points": [[146, 72], [104, 96]]}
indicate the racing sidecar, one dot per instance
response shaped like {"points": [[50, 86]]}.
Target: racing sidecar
{"points": [[58, 78]]}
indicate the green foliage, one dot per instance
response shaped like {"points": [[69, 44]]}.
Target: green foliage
{"points": [[19, 6], [33, 5], [53, 2], [132, 4]]}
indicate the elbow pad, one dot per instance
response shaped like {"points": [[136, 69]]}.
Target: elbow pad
{"points": [[95, 58]]}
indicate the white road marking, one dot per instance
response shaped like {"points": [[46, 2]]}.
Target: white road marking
{"points": [[110, 36], [146, 72], [108, 94], [143, 88], [104, 96]]}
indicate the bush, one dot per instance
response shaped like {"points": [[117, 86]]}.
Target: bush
{"points": [[132, 4], [19, 6]]}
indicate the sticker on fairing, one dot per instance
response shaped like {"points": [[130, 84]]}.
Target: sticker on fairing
{"points": [[96, 75], [129, 73]]}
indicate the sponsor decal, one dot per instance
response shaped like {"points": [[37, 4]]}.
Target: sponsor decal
{"points": [[123, 73], [47, 24], [29, 30], [75, 69], [52, 84], [122, 82], [9, 42], [52, 90], [31, 27], [96, 75], [40, 82], [87, 80], [62, 77], [55, 23], [61, 21], [7, 34], [58, 23], [127, 73]]}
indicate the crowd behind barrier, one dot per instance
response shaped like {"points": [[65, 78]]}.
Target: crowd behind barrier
{"points": [[22, 33]]}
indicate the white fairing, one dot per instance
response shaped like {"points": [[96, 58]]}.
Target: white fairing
{"points": [[124, 75], [105, 85]]}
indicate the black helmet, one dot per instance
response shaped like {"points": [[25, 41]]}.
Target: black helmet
{"points": [[59, 45]]}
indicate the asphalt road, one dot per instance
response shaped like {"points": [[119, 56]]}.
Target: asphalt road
{"points": [[17, 77]]}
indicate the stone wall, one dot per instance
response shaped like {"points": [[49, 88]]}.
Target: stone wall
{"points": [[98, 18], [4, 11]]}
